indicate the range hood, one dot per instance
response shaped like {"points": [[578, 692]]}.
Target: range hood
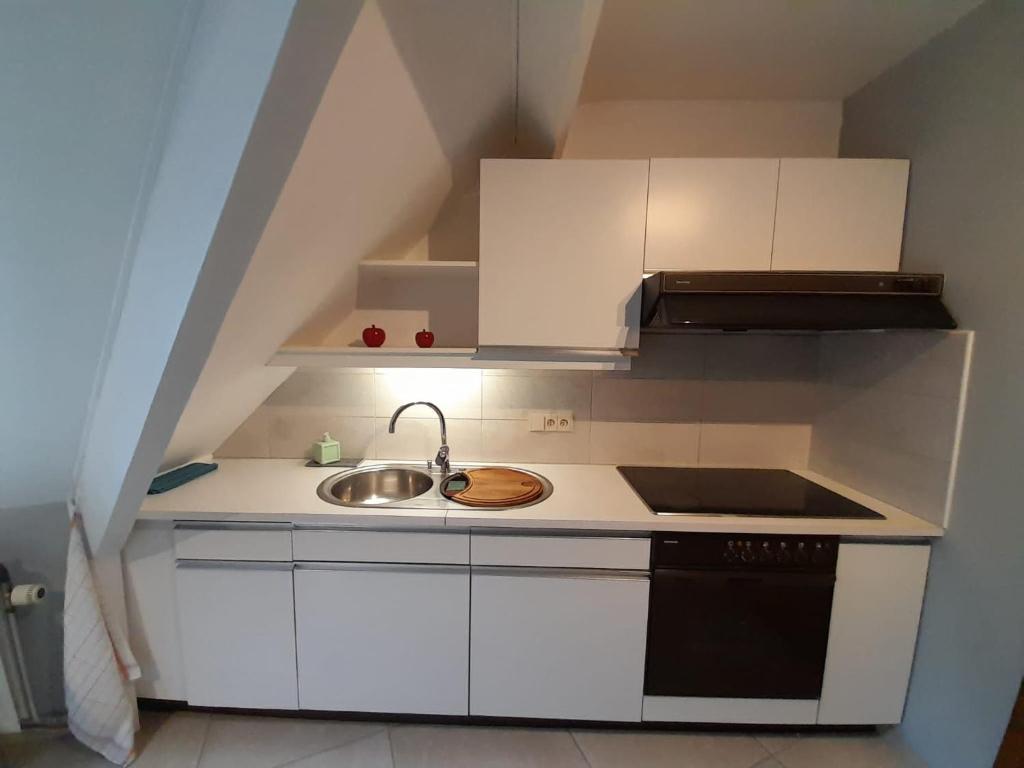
{"points": [[676, 302]]}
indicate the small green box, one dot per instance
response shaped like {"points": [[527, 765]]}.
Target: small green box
{"points": [[327, 450]]}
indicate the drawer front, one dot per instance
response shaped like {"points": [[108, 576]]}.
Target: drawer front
{"points": [[266, 541], [381, 547], [613, 552]]}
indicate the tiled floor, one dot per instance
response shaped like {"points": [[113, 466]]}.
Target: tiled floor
{"points": [[195, 740]]}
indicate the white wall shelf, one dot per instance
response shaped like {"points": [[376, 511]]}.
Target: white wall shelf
{"points": [[374, 357], [439, 357], [401, 297]]}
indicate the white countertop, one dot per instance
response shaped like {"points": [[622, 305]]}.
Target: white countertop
{"points": [[585, 497]]}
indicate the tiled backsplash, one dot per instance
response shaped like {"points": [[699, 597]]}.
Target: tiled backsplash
{"points": [[696, 399], [888, 415], [875, 411]]}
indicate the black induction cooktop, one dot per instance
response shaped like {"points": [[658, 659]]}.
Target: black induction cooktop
{"points": [[754, 492]]}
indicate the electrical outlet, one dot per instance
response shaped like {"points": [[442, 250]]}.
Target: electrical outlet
{"points": [[550, 421], [537, 421], [565, 421]]}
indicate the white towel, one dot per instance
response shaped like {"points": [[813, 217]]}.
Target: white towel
{"points": [[98, 665]]}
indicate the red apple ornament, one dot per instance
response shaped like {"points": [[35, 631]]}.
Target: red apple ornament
{"points": [[424, 338], [373, 336]]}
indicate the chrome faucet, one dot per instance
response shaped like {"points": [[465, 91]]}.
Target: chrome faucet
{"points": [[442, 453]]}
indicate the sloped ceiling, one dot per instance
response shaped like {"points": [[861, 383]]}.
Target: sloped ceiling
{"points": [[421, 91], [767, 50]]}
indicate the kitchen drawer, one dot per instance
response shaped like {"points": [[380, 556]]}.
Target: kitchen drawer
{"points": [[233, 541], [353, 546], [615, 552]]}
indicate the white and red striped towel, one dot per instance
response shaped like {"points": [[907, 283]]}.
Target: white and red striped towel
{"points": [[98, 664]]}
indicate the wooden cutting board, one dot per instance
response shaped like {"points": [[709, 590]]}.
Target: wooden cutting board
{"points": [[497, 487]]}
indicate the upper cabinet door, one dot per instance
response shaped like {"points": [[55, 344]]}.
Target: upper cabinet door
{"points": [[711, 214], [561, 252], [836, 215]]}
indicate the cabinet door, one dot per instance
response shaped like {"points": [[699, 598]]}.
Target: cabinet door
{"points": [[840, 215], [875, 613], [558, 644], [383, 638], [561, 252], [150, 587], [711, 214], [238, 634]]}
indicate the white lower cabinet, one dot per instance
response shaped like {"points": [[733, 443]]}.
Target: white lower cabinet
{"points": [[375, 637], [558, 643], [873, 633], [513, 634], [237, 634]]}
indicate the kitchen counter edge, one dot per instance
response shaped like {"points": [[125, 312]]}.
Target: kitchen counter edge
{"points": [[588, 497]]}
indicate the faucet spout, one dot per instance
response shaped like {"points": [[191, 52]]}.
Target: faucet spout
{"points": [[442, 453]]}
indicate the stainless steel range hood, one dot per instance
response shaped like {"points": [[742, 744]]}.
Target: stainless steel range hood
{"points": [[675, 302]]}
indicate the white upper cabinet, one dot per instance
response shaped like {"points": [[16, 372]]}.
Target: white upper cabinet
{"points": [[838, 215], [711, 214], [561, 252]]}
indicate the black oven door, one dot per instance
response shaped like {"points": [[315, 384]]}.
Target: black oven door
{"points": [[737, 635]]}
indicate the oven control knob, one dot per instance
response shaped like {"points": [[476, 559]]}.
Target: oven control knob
{"points": [[747, 553], [801, 556], [730, 555], [766, 552], [818, 555], [784, 555]]}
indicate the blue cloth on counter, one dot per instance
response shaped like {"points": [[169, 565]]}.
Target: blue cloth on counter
{"points": [[179, 476]]}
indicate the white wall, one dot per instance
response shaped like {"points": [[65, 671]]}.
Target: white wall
{"points": [[554, 47], [888, 418], [376, 167], [637, 129], [956, 109], [713, 400], [82, 87], [155, 355]]}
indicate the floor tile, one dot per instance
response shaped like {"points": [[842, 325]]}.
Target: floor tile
{"points": [[177, 740], [268, 742], [645, 749], [777, 742], [481, 747], [170, 740], [850, 751], [370, 752], [51, 751]]}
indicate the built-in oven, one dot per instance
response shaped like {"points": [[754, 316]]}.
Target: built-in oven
{"points": [[735, 616]]}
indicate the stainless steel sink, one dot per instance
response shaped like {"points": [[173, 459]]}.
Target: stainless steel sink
{"points": [[401, 485], [375, 486]]}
